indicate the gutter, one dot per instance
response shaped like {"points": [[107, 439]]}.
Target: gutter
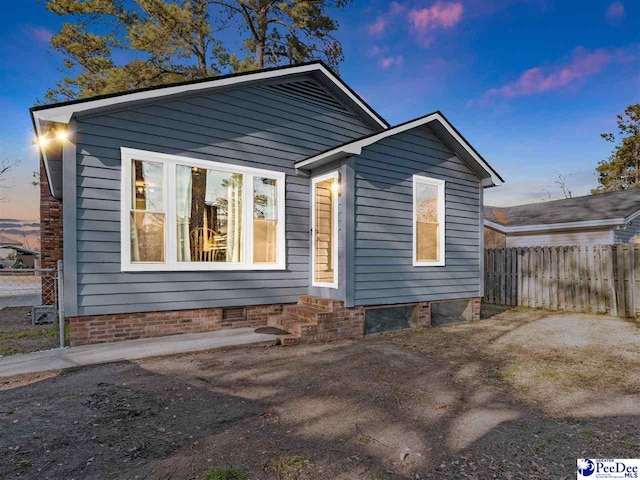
{"points": [[609, 222]]}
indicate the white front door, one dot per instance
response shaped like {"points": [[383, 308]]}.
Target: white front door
{"points": [[324, 224]]}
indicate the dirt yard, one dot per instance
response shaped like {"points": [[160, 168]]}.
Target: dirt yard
{"points": [[520, 395]]}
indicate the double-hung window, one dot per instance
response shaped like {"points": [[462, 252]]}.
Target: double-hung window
{"points": [[180, 213], [428, 221]]}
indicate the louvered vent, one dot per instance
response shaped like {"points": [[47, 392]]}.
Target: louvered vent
{"points": [[311, 91], [233, 313]]}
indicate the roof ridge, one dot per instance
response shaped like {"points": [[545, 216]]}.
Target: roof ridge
{"points": [[195, 81], [592, 195]]}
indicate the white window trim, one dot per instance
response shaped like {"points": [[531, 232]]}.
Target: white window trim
{"points": [[440, 184], [169, 181], [336, 272]]}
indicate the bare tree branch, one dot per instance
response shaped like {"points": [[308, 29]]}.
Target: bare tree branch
{"points": [[6, 166]]}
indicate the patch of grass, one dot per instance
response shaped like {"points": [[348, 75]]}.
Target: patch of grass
{"points": [[224, 473], [540, 446], [46, 332], [377, 474], [30, 339], [577, 421], [512, 372], [288, 467], [587, 433], [630, 443], [550, 374]]}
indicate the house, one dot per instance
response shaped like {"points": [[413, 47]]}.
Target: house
{"points": [[14, 254], [275, 197], [22, 257], [590, 220]]}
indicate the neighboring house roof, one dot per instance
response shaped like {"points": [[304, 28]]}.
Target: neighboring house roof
{"points": [[23, 250], [442, 127], [590, 211], [7, 240], [50, 116]]}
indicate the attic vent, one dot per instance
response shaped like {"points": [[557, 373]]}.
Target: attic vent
{"points": [[233, 313], [312, 91]]}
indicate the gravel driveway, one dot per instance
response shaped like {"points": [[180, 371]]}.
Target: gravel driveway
{"points": [[522, 395]]}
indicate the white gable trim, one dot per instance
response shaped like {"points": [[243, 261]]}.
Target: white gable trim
{"points": [[355, 147], [63, 113]]}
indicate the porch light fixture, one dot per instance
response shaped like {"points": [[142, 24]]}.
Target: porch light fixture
{"points": [[337, 186], [60, 134], [42, 141]]}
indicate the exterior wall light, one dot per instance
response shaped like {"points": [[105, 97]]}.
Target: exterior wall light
{"points": [[337, 186], [62, 135], [59, 134]]}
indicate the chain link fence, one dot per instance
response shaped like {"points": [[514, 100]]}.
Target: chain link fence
{"points": [[29, 310]]}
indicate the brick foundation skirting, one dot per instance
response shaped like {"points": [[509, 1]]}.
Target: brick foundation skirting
{"points": [[338, 322], [130, 326], [475, 308]]}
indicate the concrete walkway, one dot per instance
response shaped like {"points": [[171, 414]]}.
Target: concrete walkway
{"points": [[127, 350]]}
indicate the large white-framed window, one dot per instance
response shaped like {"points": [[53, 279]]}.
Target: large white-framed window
{"points": [[180, 214], [428, 222]]}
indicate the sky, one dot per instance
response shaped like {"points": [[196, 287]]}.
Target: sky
{"points": [[531, 83]]}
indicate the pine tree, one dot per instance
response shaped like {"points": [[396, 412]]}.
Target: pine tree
{"points": [[622, 170], [116, 45]]}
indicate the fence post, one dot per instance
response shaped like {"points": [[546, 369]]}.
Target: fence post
{"points": [[60, 305]]}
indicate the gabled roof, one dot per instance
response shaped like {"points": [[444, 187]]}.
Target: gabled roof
{"points": [[21, 249], [7, 240], [436, 120], [45, 117], [62, 112], [590, 211]]}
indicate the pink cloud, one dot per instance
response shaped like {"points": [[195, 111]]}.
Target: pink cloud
{"points": [[615, 10], [376, 51], [388, 62], [378, 27], [40, 34], [583, 64], [440, 15], [396, 8]]}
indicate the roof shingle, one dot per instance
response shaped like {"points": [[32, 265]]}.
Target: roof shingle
{"points": [[578, 209]]}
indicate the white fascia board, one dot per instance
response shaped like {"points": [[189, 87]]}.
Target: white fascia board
{"points": [[63, 113], [355, 147], [631, 217], [609, 222], [43, 150]]}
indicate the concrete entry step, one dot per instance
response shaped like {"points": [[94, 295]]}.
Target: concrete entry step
{"points": [[289, 323]]}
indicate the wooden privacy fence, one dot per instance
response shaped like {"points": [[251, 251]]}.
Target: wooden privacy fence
{"points": [[597, 279]]}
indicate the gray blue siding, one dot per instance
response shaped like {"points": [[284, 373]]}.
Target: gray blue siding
{"points": [[627, 234], [383, 256], [263, 126]]}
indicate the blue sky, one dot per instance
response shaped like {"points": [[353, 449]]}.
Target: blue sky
{"points": [[531, 84]]}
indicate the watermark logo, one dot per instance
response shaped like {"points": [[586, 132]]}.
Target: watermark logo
{"points": [[586, 467], [609, 468]]}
